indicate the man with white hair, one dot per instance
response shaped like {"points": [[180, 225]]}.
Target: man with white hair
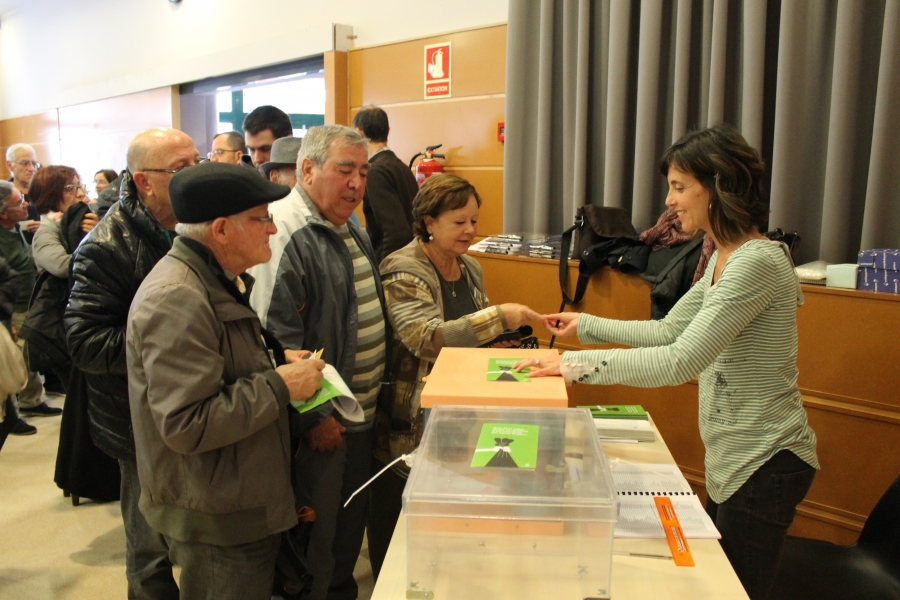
{"points": [[208, 403], [321, 291], [108, 267], [21, 162]]}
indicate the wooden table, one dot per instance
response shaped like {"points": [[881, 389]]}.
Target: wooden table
{"points": [[633, 578]]}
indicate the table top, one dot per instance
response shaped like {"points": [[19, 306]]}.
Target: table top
{"points": [[633, 578]]}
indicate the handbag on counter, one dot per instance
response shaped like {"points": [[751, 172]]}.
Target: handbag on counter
{"points": [[594, 223], [595, 228], [598, 231]]}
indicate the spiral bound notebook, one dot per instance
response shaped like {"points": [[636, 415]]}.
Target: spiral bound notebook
{"points": [[637, 485]]}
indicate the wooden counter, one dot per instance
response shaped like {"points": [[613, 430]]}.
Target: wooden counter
{"points": [[848, 341]]}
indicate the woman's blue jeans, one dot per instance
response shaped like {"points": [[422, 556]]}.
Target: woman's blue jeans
{"points": [[755, 519]]}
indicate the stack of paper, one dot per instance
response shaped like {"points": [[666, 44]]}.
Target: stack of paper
{"points": [[627, 429], [617, 411], [637, 485]]}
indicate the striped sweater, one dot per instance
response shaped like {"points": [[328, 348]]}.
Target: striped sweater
{"points": [[740, 337], [368, 366]]}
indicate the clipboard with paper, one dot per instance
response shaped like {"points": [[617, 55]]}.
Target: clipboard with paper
{"points": [[335, 390]]}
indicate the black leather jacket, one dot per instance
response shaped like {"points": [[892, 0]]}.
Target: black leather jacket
{"points": [[108, 267]]}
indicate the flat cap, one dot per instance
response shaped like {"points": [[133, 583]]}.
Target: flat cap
{"points": [[284, 154], [212, 190]]}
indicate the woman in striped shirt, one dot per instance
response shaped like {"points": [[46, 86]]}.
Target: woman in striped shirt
{"points": [[737, 331]]}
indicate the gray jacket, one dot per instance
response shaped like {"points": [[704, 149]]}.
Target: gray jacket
{"points": [[209, 412], [305, 295], [47, 249]]}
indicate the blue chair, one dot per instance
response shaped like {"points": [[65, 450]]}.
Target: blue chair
{"points": [[867, 570]]}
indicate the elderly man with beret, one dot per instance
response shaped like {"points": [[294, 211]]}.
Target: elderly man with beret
{"points": [[208, 403]]}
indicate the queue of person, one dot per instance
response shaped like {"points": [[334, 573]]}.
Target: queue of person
{"points": [[218, 468]]}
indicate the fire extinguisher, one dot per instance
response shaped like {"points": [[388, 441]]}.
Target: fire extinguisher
{"points": [[427, 166]]}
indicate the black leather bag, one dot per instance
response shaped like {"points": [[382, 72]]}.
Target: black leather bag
{"points": [[593, 224], [791, 240], [596, 231], [523, 335]]}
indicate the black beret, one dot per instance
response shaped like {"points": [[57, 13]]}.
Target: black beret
{"points": [[211, 190]]}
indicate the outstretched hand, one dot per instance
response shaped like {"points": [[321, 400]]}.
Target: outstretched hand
{"points": [[544, 366], [562, 324], [517, 315]]}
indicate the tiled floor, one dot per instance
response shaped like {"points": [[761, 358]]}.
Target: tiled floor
{"points": [[52, 550]]}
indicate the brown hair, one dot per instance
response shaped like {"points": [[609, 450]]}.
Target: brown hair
{"points": [[48, 186], [731, 171], [108, 174], [440, 193]]}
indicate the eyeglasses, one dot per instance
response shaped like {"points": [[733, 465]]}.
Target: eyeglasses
{"points": [[14, 206], [221, 151], [267, 219], [73, 188], [173, 171], [29, 163]]}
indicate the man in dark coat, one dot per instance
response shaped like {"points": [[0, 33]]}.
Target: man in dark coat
{"points": [[390, 187], [108, 267]]}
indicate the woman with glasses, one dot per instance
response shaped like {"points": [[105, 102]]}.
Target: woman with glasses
{"points": [[57, 192], [54, 191]]}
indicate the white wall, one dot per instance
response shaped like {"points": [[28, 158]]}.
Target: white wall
{"points": [[57, 53]]}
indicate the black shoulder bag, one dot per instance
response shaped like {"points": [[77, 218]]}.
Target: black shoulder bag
{"points": [[597, 231]]}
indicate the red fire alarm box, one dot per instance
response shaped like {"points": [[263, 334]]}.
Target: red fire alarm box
{"points": [[501, 132]]}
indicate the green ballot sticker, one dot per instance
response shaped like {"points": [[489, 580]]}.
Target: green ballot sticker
{"points": [[506, 445], [326, 393], [501, 369]]}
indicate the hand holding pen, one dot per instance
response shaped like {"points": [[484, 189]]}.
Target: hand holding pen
{"points": [[562, 324]]}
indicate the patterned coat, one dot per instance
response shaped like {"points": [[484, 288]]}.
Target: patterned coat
{"points": [[415, 308]]}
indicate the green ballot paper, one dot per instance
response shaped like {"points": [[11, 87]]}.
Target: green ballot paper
{"points": [[617, 411], [501, 369], [337, 392], [507, 445]]}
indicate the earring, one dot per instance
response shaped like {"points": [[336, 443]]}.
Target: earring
{"points": [[430, 236]]}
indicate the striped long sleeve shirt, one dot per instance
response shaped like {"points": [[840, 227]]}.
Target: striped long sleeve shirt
{"points": [[739, 336]]}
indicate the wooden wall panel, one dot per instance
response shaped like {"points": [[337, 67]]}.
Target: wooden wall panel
{"points": [[854, 368], [856, 442], [396, 73], [41, 131], [489, 183], [851, 444], [96, 135], [467, 130], [392, 77], [337, 94], [535, 282]]}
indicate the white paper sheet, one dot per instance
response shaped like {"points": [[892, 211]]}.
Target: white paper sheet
{"points": [[636, 486]]}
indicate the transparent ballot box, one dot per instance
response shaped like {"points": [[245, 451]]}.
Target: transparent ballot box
{"points": [[509, 503]]}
